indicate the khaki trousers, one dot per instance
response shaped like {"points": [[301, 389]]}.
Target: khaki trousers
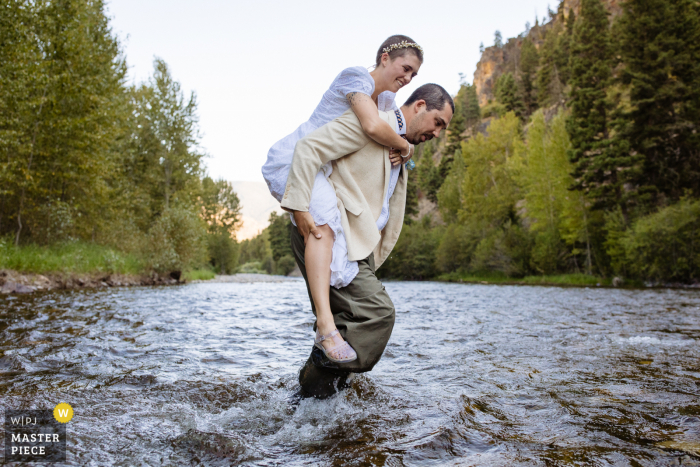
{"points": [[363, 313]]}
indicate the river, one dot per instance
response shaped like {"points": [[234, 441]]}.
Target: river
{"points": [[203, 374]]}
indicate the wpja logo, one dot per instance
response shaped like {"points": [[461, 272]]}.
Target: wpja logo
{"points": [[37, 435]]}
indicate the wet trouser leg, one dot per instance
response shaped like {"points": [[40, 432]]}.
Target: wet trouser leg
{"points": [[364, 316]]}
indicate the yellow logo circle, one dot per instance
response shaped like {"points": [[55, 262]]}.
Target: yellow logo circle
{"points": [[63, 412]]}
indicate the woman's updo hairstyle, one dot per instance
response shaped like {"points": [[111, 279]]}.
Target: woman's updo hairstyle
{"points": [[400, 52]]}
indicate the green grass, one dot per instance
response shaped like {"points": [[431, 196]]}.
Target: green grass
{"points": [[75, 257], [562, 279], [204, 274]]}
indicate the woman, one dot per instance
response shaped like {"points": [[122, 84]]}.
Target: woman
{"points": [[397, 62]]}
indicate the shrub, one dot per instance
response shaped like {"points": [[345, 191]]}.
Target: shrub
{"points": [[223, 252], [176, 241], [505, 250], [665, 245], [413, 256], [285, 265]]}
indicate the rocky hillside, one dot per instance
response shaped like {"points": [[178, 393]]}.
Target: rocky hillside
{"points": [[498, 60]]}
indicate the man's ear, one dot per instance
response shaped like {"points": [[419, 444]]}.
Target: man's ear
{"points": [[419, 105]]}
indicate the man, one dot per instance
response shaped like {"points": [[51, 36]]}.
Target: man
{"points": [[362, 311]]}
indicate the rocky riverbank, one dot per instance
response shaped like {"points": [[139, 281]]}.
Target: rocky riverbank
{"points": [[13, 282], [18, 283]]}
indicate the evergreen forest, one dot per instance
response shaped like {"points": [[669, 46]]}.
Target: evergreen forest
{"points": [[584, 162]]}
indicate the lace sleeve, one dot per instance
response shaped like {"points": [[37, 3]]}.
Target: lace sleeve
{"points": [[354, 79], [387, 101]]}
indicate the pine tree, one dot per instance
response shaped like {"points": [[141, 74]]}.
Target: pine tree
{"points": [[428, 175], [660, 47], [553, 73], [472, 112], [508, 94], [498, 39], [529, 62], [595, 165]]}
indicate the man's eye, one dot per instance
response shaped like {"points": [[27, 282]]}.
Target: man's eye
{"points": [[405, 69]]}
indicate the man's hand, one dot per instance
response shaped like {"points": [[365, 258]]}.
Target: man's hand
{"points": [[306, 225]]}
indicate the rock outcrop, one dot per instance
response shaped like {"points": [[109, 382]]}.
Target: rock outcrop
{"points": [[498, 60]]}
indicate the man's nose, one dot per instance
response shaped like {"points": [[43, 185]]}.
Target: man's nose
{"points": [[436, 132]]}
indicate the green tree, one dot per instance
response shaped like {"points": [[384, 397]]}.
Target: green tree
{"points": [[489, 190], [508, 94], [221, 211], [62, 91], [280, 242], [168, 160], [471, 110], [660, 46], [595, 164], [529, 62], [553, 74], [221, 207], [428, 175], [557, 216]]}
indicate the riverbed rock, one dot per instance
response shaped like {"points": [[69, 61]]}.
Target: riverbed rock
{"points": [[14, 287]]}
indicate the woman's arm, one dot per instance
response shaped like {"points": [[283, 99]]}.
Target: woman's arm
{"points": [[376, 128]]}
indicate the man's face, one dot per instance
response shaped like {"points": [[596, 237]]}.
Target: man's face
{"points": [[427, 124]]}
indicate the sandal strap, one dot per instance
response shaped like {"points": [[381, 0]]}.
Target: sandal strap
{"points": [[327, 336]]}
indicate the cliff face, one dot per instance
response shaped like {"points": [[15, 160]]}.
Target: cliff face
{"points": [[495, 61]]}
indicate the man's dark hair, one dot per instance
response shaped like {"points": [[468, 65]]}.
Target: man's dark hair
{"points": [[434, 96]]}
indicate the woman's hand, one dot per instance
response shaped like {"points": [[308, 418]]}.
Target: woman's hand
{"points": [[401, 156], [306, 225]]}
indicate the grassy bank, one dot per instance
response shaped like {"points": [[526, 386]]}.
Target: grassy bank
{"points": [[581, 280], [203, 274], [72, 257]]}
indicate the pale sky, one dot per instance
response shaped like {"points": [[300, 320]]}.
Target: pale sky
{"points": [[259, 68]]}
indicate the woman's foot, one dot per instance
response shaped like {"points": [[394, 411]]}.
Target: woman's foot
{"points": [[334, 347]]}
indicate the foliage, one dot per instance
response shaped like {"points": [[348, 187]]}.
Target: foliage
{"points": [[413, 257], [177, 241], [659, 46], [85, 158], [508, 94], [595, 163], [62, 101], [529, 61], [428, 174], [665, 246], [203, 274], [76, 256], [488, 191], [278, 232]]}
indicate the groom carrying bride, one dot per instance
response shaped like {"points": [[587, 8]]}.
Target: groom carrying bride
{"points": [[372, 206]]}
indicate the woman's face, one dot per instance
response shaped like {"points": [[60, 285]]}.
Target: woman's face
{"points": [[400, 71]]}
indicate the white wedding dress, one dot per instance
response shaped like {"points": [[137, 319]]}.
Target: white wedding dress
{"points": [[323, 205]]}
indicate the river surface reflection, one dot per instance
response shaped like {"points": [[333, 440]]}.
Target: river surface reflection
{"points": [[203, 374]]}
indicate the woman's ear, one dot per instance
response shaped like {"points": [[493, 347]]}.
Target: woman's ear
{"points": [[385, 59]]}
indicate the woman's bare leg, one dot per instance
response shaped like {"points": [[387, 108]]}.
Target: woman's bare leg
{"points": [[317, 257]]}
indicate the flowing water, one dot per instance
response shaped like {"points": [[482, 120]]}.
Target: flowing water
{"points": [[204, 374]]}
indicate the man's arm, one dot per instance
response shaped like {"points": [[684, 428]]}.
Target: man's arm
{"points": [[332, 141]]}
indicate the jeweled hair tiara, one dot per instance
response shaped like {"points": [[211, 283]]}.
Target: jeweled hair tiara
{"points": [[401, 45]]}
